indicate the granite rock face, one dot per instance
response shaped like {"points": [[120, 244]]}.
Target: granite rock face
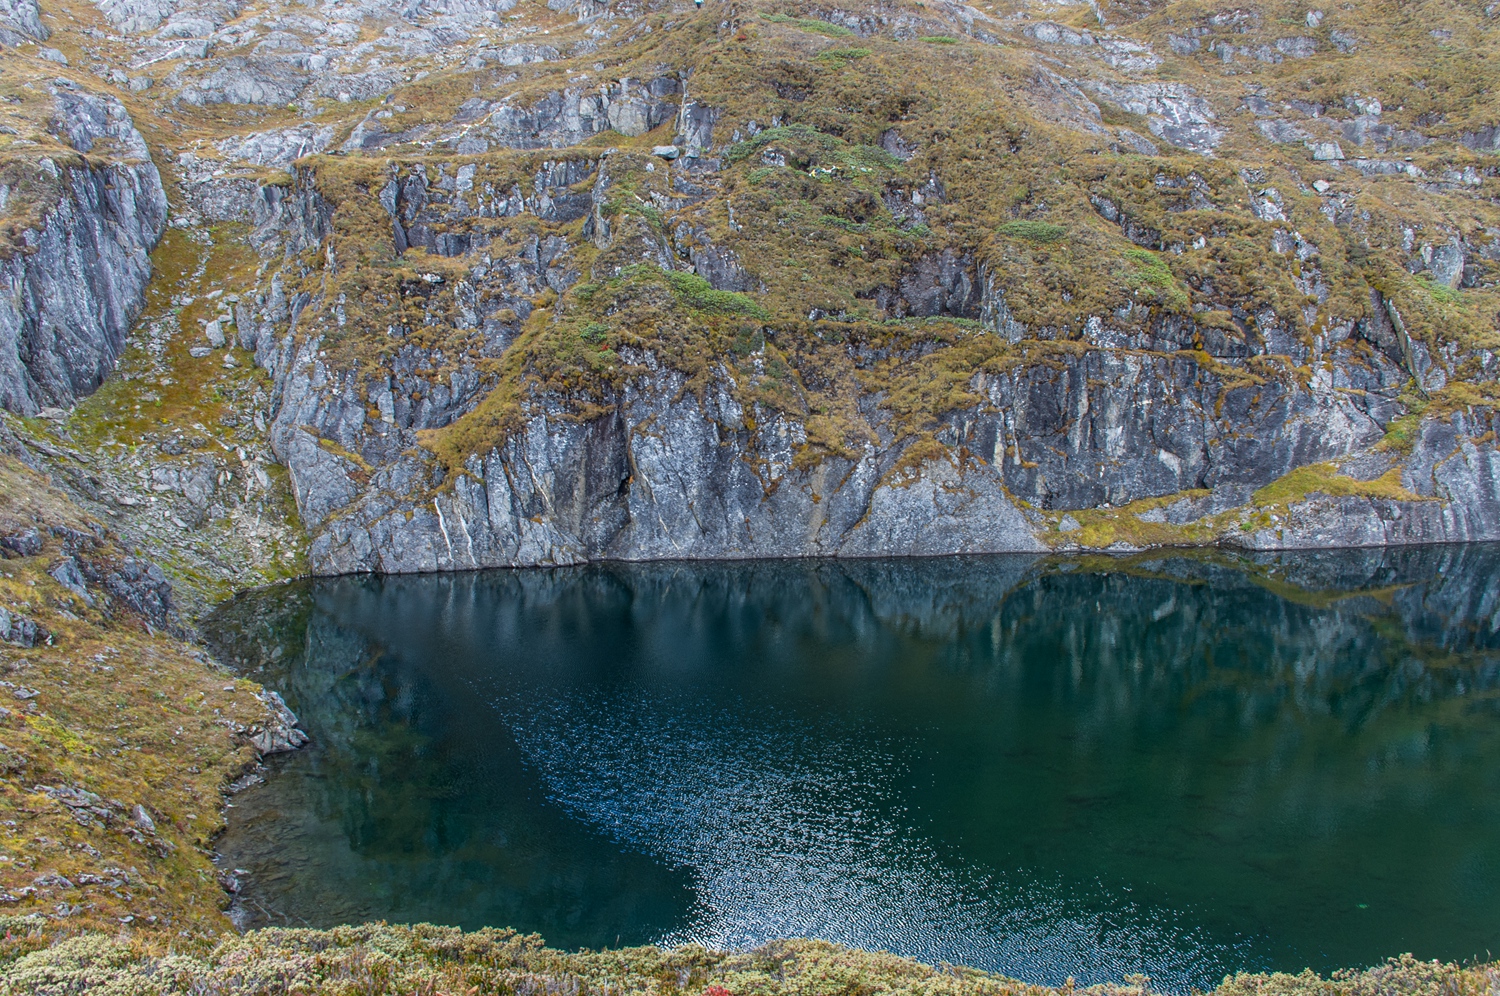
{"points": [[670, 470], [1453, 466], [485, 165], [69, 297], [571, 117], [668, 475], [671, 474]]}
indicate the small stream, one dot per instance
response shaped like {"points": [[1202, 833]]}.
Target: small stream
{"points": [[1182, 766]]}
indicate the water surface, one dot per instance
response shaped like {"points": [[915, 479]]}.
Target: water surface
{"points": [[1181, 766]]}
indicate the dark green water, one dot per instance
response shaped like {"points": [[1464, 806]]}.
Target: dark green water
{"points": [[1181, 767]]}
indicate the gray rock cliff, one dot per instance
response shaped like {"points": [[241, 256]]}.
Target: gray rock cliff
{"points": [[69, 296]]}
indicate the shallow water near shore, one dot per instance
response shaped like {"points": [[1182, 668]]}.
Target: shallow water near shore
{"points": [[1178, 765]]}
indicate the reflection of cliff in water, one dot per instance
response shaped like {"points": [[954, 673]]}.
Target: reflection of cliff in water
{"points": [[1269, 760], [395, 810]]}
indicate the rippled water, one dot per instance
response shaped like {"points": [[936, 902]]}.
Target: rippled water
{"points": [[1181, 766]]}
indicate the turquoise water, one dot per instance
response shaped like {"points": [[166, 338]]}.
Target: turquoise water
{"points": [[1181, 766]]}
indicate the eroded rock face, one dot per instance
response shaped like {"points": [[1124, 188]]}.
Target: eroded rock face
{"points": [[1451, 464], [936, 284], [68, 300], [1174, 112], [1134, 395], [1112, 427], [1126, 411], [571, 117]]}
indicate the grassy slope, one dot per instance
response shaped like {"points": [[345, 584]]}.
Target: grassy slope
{"points": [[104, 704], [141, 721]]}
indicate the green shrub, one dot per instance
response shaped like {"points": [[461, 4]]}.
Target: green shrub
{"points": [[698, 294], [1149, 271], [811, 25], [1439, 292], [1033, 231], [834, 221], [651, 214], [939, 39]]}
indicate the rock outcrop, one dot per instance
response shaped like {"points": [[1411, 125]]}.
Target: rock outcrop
{"points": [[279, 733], [71, 291], [672, 470], [669, 475], [21, 20], [1121, 412]]}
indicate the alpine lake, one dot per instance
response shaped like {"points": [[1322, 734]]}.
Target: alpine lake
{"points": [[1179, 765]]}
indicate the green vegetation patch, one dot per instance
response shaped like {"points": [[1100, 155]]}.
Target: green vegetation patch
{"points": [[843, 56], [1099, 528], [1033, 231], [696, 293], [1441, 293], [811, 25], [1324, 478], [1401, 433], [938, 39], [1149, 271]]}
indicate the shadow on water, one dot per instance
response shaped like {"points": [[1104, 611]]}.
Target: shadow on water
{"points": [[1177, 765]]}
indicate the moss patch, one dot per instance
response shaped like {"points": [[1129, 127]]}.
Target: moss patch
{"points": [[1324, 479], [809, 24], [1033, 231]]}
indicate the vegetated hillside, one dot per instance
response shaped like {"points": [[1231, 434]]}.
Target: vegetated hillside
{"points": [[118, 738], [542, 284]]}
